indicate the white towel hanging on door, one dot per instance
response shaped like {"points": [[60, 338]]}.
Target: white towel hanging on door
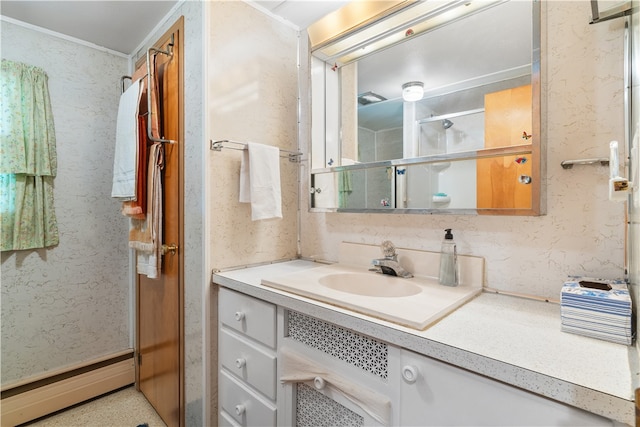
{"points": [[125, 161], [260, 181]]}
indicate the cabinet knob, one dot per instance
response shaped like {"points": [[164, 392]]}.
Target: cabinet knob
{"points": [[318, 383], [410, 373], [239, 316], [241, 362], [240, 409]]}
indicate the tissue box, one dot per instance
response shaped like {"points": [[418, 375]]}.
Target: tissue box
{"points": [[597, 308]]}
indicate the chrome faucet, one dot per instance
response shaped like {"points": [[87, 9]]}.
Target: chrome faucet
{"points": [[389, 264]]}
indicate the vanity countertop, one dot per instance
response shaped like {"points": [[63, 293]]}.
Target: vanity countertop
{"points": [[514, 340]]}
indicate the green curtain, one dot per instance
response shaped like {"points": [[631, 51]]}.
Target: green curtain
{"points": [[28, 162]]}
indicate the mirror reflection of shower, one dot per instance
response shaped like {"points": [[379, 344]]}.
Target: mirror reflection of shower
{"points": [[442, 184], [446, 124], [446, 136]]}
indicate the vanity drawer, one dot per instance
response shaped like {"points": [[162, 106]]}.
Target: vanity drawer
{"points": [[252, 317], [255, 366], [242, 405], [226, 420]]}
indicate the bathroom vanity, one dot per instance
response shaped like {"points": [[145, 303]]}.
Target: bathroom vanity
{"points": [[287, 359]]}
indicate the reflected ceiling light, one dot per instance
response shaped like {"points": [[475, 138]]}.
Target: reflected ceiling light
{"points": [[370, 98], [412, 91]]}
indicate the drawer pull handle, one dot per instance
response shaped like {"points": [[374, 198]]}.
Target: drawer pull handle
{"points": [[318, 383], [410, 373], [239, 316], [240, 409], [241, 362]]}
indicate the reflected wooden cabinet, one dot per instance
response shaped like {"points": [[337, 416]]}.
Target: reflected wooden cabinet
{"points": [[504, 182]]}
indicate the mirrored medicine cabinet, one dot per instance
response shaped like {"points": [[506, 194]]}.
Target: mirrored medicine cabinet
{"points": [[469, 144]]}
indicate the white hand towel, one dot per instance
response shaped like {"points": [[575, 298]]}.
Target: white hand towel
{"points": [[260, 181], [125, 160], [297, 368]]}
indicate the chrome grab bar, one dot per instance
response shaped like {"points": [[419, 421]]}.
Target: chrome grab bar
{"points": [[568, 164]]}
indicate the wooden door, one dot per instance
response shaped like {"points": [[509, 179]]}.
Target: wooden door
{"points": [[507, 116], [160, 329]]}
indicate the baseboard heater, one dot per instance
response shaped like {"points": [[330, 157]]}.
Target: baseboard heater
{"points": [[53, 391]]}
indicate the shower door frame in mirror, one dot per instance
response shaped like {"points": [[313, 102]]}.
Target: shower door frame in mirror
{"points": [[336, 171]]}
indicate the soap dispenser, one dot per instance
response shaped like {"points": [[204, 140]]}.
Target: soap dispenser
{"points": [[448, 261]]}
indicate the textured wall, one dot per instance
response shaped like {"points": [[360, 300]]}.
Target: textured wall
{"points": [[70, 304], [253, 89], [252, 95], [196, 280], [582, 233], [634, 227]]}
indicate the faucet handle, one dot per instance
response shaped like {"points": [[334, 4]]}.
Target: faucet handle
{"points": [[388, 249]]}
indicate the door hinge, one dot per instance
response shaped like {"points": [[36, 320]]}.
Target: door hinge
{"points": [[139, 359]]}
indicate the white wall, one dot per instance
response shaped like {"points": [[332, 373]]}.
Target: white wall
{"points": [[70, 303], [252, 96], [582, 233]]}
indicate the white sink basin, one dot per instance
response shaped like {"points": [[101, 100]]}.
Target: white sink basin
{"points": [[375, 285], [415, 303]]}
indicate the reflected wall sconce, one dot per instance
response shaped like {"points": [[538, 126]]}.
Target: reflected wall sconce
{"points": [[412, 91]]}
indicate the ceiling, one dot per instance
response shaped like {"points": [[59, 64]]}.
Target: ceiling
{"points": [[123, 25], [301, 13]]}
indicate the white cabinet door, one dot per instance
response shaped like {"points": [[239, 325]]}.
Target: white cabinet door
{"points": [[433, 393]]}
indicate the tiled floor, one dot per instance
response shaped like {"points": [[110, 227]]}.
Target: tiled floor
{"points": [[123, 408]]}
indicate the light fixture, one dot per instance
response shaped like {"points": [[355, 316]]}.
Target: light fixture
{"points": [[370, 98], [412, 91], [340, 36]]}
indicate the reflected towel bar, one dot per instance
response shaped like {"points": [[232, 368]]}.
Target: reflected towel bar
{"points": [[624, 9], [293, 156], [568, 164]]}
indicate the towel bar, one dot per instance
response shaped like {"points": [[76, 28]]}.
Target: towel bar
{"points": [[293, 156], [150, 77], [122, 79], [568, 164]]}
